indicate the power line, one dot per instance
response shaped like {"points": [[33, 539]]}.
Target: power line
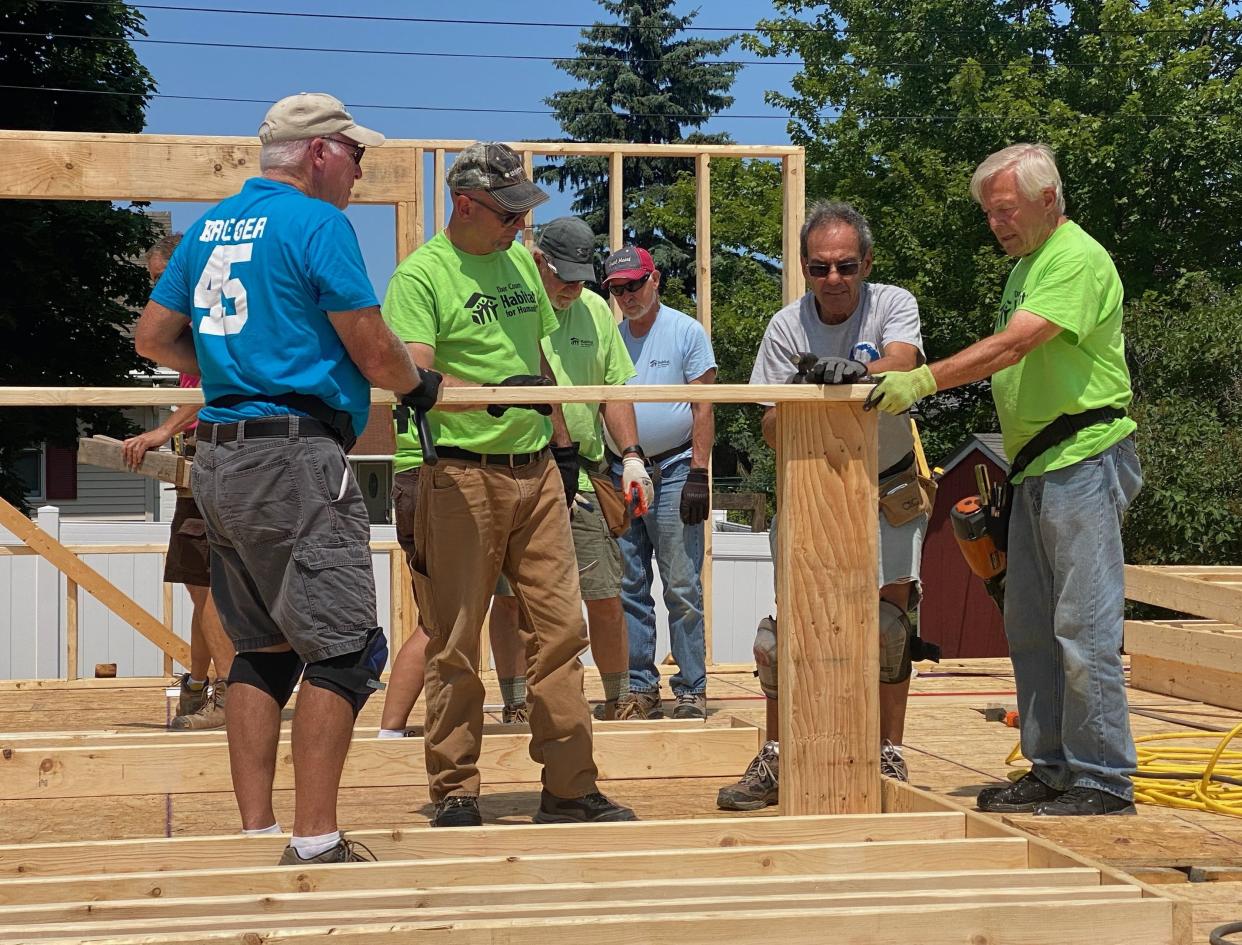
{"points": [[621, 27]]}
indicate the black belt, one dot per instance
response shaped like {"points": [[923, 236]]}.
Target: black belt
{"points": [[1058, 431], [900, 466], [658, 457], [209, 432], [512, 460]]}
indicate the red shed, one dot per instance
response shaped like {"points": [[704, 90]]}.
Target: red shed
{"points": [[956, 612]]}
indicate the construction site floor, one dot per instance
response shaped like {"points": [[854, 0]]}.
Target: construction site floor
{"points": [[951, 750]]}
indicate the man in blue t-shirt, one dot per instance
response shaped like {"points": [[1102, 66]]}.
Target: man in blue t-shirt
{"points": [[268, 300], [667, 347]]}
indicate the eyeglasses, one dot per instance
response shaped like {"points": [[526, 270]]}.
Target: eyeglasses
{"points": [[556, 275], [357, 149], [507, 219], [621, 288], [819, 270]]}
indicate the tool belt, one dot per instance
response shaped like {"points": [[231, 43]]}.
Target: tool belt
{"points": [[338, 422], [1058, 431], [612, 504], [904, 494]]}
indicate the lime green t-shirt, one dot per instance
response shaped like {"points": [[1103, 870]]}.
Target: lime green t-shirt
{"points": [[485, 316], [1070, 281], [585, 350]]}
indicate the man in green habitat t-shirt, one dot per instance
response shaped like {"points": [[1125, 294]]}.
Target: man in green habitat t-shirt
{"points": [[470, 301], [1057, 363]]}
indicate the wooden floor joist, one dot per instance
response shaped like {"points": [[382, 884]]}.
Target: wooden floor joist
{"points": [[1214, 592], [1189, 659]]}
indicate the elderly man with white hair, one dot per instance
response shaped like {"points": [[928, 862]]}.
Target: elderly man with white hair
{"points": [[1061, 386], [268, 300]]}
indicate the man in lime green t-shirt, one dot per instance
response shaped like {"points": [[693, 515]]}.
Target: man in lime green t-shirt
{"points": [[1057, 363], [586, 350], [470, 302]]}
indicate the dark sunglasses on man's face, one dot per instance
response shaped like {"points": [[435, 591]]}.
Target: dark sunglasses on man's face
{"points": [[819, 270], [506, 219], [621, 288], [357, 150]]}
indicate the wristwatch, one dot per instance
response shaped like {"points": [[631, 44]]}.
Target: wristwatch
{"points": [[636, 450]]}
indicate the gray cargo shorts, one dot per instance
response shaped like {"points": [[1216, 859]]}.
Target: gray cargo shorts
{"points": [[290, 542]]}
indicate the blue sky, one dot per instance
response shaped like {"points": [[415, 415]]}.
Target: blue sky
{"points": [[364, 81]]}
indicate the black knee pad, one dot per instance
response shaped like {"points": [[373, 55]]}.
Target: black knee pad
{"points": [[353, 676], [274, 673]]}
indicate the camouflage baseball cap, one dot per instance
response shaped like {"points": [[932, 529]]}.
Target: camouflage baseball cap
{"points": [[569, 246], [313, 115], [497, 169]]}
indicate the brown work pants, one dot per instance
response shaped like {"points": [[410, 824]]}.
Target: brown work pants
{"points": [[473, 522]]}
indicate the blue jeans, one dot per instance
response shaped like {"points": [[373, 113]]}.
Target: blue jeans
{"points": [[1064, 600], [678, 551]]}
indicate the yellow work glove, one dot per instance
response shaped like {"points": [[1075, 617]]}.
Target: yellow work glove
{"points": [[896, 392]]}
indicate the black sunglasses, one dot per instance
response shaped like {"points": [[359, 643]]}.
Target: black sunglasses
{"points": [[507, 219], [819, 270], [620, 288], [357, 150]]}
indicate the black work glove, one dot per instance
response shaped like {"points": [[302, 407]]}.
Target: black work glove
{"points": [[837, 371], [424, 396], [567, 463], [696, 497], [523, 380], [803, 361]]}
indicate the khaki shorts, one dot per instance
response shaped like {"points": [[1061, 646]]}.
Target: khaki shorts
{"points": [[189, 556], [598, 554]]}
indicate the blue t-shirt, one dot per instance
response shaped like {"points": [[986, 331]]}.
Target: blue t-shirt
{"points": [[257, 275], [675, 351]]}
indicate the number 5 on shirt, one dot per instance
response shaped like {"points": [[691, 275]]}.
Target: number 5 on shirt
{"points": [[215, 285]]}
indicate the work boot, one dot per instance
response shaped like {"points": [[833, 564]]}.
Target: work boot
{"points": [[623, 709], [190, 700], [209, 715], [591, 808], [515, 714], [345, 851], [759, 786], [892, 764], [1019, 797], [690, 705], [1083, 801], [458, 810], [640, 705]]}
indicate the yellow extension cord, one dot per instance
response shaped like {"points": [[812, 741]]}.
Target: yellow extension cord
{"points": [[1197, 790]]}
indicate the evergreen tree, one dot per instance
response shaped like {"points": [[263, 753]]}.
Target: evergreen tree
{"points": [[71, 291], [642, 81]]}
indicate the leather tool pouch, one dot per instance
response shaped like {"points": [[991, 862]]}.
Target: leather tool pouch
{"points": [[612, 505], [905, 496]]}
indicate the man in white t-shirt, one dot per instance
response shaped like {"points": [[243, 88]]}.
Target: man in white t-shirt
{"points": [[852, 327], [667, 347]]}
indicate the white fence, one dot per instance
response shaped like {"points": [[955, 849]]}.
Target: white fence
{"points": [[33, 599]]}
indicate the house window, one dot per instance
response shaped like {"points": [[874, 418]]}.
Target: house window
{"points": [[29, 469]]}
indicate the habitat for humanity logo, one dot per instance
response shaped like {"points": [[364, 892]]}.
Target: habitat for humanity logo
{"points": [[482, 308]]}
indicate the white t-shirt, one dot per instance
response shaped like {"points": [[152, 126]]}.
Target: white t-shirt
{"points": [[885, 314]]}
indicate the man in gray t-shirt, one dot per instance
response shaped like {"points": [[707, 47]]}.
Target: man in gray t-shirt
{"points": [[854, 327]]}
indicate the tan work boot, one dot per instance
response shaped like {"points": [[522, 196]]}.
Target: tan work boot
{"points": [[637, 706], [516, 714], [758, 787], [190, 700], [345, 851], [209, 715]]}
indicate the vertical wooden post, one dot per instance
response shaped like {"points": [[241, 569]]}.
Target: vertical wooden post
{"points": [[828, 598], [71, 628], [528, 161], [437, 199], [167, 615], [616, 211], [420, 200], [793, 187], [703, 298], [401, 599]]}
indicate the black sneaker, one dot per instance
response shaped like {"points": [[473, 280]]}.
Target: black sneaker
{"points": [[1085, 801], [1020, 797], [458, 810], [591, 808]]}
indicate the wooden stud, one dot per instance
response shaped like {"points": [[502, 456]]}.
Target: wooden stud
{"points": [[528, 162], [401, 600], [94, 582], [828, 595], [793, 186], [616, 212], [703, 300], [420, 201], [1191, 591], [106, 453], [167, 614], [438, 185], [71, 629]]}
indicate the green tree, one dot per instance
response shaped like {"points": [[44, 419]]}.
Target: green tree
{"points": [[641, 80], [71, 289], [897, 103]]}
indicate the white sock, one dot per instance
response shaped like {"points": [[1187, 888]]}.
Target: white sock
{"points": [[310, 847], [262, 831], [391, 733], [195, 684]]}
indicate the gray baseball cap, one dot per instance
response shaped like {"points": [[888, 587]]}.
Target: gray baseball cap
{"points": [[569, 245], [313, 115], [497, 169]]}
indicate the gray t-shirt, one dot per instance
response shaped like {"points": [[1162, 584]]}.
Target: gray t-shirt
{"points": [[885, 314]]}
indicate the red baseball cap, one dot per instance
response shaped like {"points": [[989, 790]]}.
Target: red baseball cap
{"points": [[629, 262]]}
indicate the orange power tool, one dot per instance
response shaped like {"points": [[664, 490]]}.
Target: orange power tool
{"points": [[970, 527]]}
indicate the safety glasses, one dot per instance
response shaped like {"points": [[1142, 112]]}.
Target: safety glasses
{"points": [[507, 219], [619, 289], [819, 270], [356, 150]]}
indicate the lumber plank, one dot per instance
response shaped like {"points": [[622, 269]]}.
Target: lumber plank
{"points": [[92, 581], [119, 856], [883, 856], [1199, 643], [793, 215], [67, 772], [1101, 922], [107, 453], [1182, 591], [1083, 882], [1193, 681], [827, 649]]}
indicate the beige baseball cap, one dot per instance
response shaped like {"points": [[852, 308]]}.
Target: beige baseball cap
{"points": [[313, 115]]}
